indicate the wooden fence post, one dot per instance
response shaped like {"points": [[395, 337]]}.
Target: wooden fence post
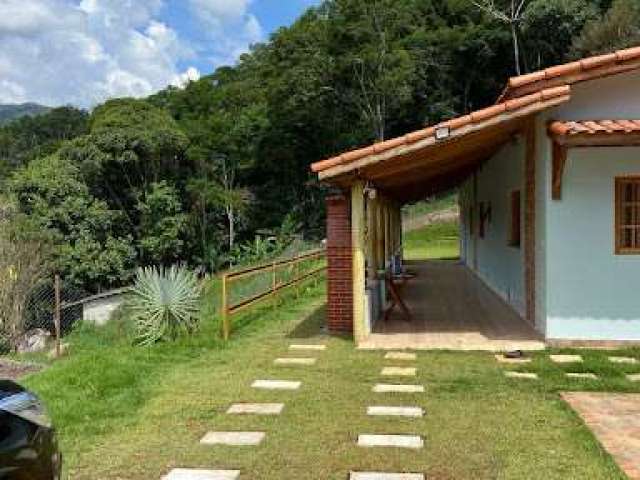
{"points": [[224, 310], [274, 284], [56, 313]]}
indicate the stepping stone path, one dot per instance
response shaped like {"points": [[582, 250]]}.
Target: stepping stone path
{"points": [[199, 474], [385, 476], [565, 358], [634, 377], [247, 438], [503, 359], [276, 385], [256, 408], [393, 388], [588, 376], [395, 411], [307, 347], [233, 438], [295, 361], [400, 356], [397, 441], [527, 375], [399, 371], [623, 360]]}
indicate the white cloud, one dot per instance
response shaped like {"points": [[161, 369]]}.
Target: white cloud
{"points": [[190, 75], [65, 51], [230, 27]]}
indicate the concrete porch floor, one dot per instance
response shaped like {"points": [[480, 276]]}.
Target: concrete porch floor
{"points": [[452, 310]]}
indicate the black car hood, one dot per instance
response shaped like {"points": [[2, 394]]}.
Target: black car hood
{"points": [[9, 388]]}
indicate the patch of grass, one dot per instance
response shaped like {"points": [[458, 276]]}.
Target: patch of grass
{"points": [[106, 384], [478, 424], [443, 202], [436, 241], [135, 413]]}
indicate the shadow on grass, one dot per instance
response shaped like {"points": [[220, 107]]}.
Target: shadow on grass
{"points": [[312, 324]]}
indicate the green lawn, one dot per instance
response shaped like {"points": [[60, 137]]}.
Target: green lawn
{"points": [[439, 240], [129, 413]]}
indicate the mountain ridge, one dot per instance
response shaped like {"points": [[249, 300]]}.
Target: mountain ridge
{"points": [[11, 112]]}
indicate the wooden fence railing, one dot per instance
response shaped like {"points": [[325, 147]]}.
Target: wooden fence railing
{"points": [[249, 286]]}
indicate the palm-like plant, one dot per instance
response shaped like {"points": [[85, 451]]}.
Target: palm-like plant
{"points": [[164, 303]]}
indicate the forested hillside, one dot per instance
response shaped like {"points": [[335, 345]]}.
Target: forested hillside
{"points": [[12, 112], [192, 175]]}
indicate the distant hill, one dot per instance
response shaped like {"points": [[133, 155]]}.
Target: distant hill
{"points": [[13, 111]]}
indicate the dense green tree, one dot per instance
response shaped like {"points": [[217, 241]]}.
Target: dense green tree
{"points": [[550, 26], [162, 226], [130, 145], [620, 28], [91, 248], [30, 137]]}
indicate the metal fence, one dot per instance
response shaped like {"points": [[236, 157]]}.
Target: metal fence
{"points": [[244, 288], [52, 305]]}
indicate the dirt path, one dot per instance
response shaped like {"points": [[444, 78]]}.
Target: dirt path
{"points": [[14, 370]]}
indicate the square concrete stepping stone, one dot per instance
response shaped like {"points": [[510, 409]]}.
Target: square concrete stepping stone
{"points": [[200, 474], [630, 360], [397, 441], [400, 356], [380, 411], [233, 438], [276, 385], [566, 358], [295, 361], [399, 371], [588, 376], [503, 359], [393, 388], [385, 476], [307, 347], [634, 377], [256, 408], [527, 375]]}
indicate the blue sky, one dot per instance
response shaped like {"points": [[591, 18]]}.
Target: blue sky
{"points": [[81, 52], [270, 14]]}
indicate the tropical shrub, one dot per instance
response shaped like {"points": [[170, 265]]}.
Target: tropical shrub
{"points": [[164, 303]]}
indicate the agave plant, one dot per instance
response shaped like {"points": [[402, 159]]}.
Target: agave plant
{"points": [[165, 303]]}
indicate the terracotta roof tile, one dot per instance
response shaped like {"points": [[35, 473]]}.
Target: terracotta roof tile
{"points": [[598, 61], [419, 135], [527, 78], [618, 58], [592, 127], [454, 124], [459, 122], [628, 54], [487, 113], [565, 69]]}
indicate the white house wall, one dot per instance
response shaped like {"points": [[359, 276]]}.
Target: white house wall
{"points": [[591, 293], [498, 264], [611, 97], [543, 182]]}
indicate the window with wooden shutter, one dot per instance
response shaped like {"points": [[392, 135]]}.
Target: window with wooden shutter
{"points": [[514, 224], [627, 215]]}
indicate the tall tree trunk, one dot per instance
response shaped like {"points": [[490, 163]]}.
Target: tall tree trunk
{"points": [[232, 221], [516, 46]]}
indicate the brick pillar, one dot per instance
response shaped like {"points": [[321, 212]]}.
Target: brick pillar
{"points": [[339, 277]]}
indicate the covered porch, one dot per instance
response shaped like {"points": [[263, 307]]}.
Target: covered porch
{"points": [[451, 309]]}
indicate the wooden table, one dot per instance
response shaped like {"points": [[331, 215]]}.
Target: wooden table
{"points": [[395, 284]]}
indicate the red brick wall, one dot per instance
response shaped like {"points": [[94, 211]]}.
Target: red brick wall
{"points": [[339, 284]]}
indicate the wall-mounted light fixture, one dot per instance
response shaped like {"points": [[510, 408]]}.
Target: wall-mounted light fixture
{"points": [[370, 191], [442, 132]]}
